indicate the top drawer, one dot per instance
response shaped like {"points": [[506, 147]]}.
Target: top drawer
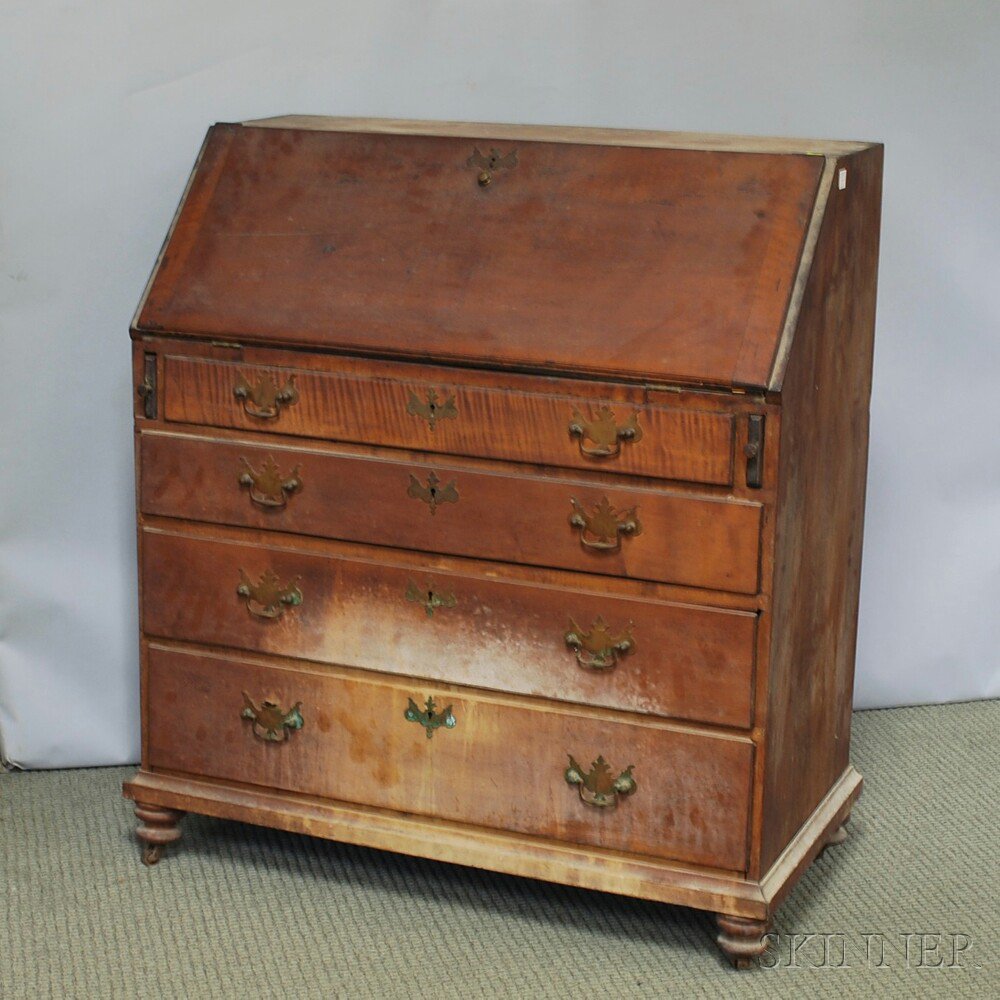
{"points": [[452, 417]]}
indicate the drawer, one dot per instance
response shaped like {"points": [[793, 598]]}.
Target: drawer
{"points": [[574, 431], [467, 628], [477, 758], [455, 509]]}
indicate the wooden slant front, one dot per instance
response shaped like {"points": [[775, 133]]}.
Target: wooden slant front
{"points": [[500, 495]]}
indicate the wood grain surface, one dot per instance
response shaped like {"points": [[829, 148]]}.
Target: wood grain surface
{"points": [[823, 461], [356, 746], [685, 539], [507, 635], [694, 445], [642, 263]]}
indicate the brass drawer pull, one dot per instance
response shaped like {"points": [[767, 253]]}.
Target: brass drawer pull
{"points": [[603, 527], [433, 409], [597, 786], [598, 648], [270, 723], [605, 433], [268, 487], [268, 597], [429, 717], [433, 494], [429, 598], [265, 397]]}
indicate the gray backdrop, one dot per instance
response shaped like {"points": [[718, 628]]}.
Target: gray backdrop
{"points": [[103, 106]]}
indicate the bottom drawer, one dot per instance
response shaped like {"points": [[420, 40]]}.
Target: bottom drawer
{"points": [[481, 759]]}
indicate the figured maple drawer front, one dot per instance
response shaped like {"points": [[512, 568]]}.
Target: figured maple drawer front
{"points": [[503, 634], [455, 418], [454, 509], [468, 756]]}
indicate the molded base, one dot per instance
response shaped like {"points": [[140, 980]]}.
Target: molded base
{"points": [[744, 906]]}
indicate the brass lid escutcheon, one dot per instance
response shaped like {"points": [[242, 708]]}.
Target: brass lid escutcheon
{"points": [[489, 165]]}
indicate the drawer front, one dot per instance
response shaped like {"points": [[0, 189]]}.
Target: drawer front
{"points": [[455, 418], [475, 758], [455, 509], [508, 635]]}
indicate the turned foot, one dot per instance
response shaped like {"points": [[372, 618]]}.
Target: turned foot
{"points": [[838, 836], [158, 826], [741, 939]]}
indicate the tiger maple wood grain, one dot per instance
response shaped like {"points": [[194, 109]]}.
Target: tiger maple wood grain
{"points": [[356, 746], [677, 443], [687, 539], [688, 662]]}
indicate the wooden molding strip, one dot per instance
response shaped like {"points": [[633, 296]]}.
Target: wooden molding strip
{"points": [[811, 838], [454, 843], [170, 232], [802, 276], [708, 141], [509, 853]]}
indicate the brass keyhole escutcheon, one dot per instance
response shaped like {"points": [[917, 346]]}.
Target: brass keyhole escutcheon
{"points": [[429, 717], [433, 494], [429, 599], [433, 408]]}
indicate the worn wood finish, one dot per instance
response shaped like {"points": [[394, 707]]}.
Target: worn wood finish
{"points": [[651, 138], [675, 443], [495, 850], [387, 244], [820, 511], [693, 284], [686, 539], [686, 662], [691, 803], [158, 827]]}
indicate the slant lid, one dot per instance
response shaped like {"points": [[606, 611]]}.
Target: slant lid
{"points": [[623, 261]]}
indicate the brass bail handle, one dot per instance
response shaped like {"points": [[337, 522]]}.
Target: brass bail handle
{"points": [[270, 723], [598, 648], [604, 432], [264, 398], [267, 485], [268, 598], [602, 527], [599, 787]]}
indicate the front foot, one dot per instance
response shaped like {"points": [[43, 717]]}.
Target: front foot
{"points": [[741, 939], [158, 827]]}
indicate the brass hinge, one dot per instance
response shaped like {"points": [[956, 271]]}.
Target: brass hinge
{"points": [[754, 450], [147, 388]]}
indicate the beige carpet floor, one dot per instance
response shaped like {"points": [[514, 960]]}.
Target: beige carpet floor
{"points": [[237, 911]]}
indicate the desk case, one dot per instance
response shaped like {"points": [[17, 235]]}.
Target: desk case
{"points": [[500, 495]]}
